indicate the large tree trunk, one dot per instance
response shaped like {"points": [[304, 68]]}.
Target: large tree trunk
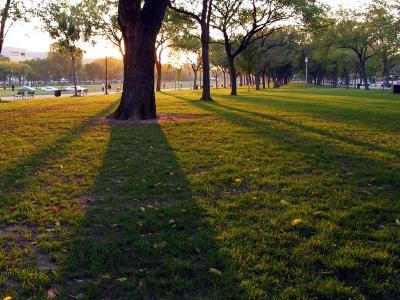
{"points": [[140, 25], [205, 55]]}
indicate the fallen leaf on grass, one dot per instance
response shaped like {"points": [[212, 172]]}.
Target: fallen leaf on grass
{"points": [[283, 202], [238, 181], [274, 221], [215, 271], [122, 279], [296, 222], [142, 209], [52, 294], [58, 224], [7, 298]]}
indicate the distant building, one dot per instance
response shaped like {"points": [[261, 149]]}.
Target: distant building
{"points": [[18, 54]]}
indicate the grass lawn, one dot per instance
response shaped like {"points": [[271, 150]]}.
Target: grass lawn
{"points": [[277, 194]]}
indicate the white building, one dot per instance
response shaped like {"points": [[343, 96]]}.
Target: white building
{"points": [[16, 54], [19, 54]]}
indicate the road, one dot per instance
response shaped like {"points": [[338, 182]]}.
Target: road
{"points": [[11, 98], [51, 96]]}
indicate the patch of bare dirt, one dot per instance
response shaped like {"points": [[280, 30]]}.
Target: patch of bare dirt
{"points": [[161, 119]]}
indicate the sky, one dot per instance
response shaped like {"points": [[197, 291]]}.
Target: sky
{"points": [[30, 37]]}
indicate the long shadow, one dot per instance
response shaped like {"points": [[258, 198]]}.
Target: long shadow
{"points": [[357, 215], [318, 131], [236, 115], [144, 236], [12, 178], [360, 114]]}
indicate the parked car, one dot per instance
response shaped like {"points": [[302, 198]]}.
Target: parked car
{"points": [[71, 89], [26, 89], [49, 89], [386, 84]]}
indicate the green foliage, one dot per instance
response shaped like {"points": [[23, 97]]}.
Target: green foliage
{"points": [[67, 24], [96, 69]]}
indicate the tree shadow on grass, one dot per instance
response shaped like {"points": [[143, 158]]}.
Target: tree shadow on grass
{"points": [[12, 179], [26, 197], [349, 208], [144, 236], [318, 131]]}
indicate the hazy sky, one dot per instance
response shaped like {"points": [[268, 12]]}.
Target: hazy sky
{"points": [[28, 36]]}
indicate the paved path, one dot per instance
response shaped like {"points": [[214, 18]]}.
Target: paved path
{"points": [[51, 96], [11, 98]]}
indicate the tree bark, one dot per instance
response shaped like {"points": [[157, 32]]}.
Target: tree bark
{"points": [[258, 81], [159, 69], [74, 76], [195, 86], [4, 18], [233, 73], [205, 56], [140, 25], [263, 81], [363, 74]]}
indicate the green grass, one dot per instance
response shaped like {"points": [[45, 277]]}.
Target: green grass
{"points": [[104, 211]]}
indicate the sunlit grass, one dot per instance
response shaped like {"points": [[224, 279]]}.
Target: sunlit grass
{"points": [[95, 210]]}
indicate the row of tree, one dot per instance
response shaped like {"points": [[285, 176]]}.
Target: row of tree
{"points": [[254, 40]]}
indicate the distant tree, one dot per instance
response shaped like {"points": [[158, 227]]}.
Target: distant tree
{"points": [[59, 66], [219, 62], [244, 22], [175, 28], [386, 26], [10, 69], [65, 23], [192, 47], [355, 32], [96, 70], [200, 11], [39, 70]]}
